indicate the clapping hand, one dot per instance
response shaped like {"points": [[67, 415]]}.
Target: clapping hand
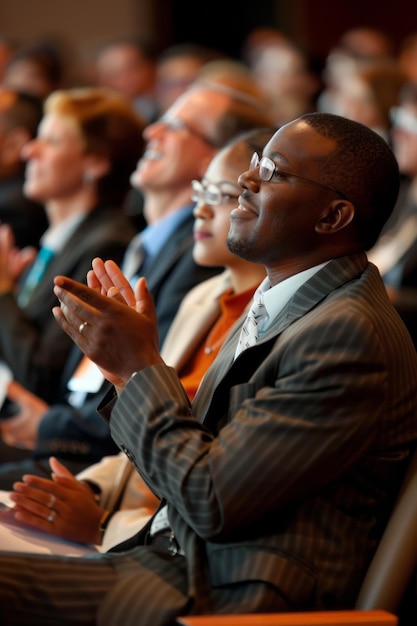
{"points": [[120, 339], [108, 278]]}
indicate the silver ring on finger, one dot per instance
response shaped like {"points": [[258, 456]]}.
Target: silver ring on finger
{"points": [[51, 516], [52, 500], [82, 327]]}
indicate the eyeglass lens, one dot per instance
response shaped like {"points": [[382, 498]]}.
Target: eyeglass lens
{"points": [[266, 166], [210, 193]]}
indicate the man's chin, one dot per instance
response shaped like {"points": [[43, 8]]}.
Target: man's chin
{"points": [[237, 247]]}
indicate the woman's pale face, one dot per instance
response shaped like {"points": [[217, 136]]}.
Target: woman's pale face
{"points": [[55, 160]]}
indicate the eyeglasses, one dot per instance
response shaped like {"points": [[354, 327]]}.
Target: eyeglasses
{"points": [[268, 170], [210, 193], [404, 120], [175, 124]]}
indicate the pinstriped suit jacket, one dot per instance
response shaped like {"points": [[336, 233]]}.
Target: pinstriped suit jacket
{"points": [[285, 468]]}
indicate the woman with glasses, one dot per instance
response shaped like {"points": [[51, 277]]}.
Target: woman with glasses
{"points": [[195, 337]]}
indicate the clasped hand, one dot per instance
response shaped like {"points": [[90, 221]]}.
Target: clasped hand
{"points": [[118, 326], [75, 513]]}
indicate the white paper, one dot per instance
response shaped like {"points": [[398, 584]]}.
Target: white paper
{"points": [[87, 378]]}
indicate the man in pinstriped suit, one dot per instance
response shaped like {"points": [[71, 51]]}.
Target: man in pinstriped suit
{"points": [[277, 482]]}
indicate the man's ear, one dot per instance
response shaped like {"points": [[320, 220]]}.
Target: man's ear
{"points": [[337, 215]]}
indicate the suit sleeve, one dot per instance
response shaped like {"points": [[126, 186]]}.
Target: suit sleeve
{"points": [[74, 434]]}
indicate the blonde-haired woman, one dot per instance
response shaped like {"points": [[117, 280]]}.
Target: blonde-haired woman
{"points": [[79, 167]]}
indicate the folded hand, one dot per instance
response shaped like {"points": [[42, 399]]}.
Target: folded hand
{"points": [[64, 506]]}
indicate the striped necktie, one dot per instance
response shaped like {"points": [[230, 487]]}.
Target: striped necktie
{"points": [[249, 334], [35, 275]]}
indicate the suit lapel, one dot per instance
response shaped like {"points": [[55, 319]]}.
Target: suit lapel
{"points": [[180, 240], [226, 372], [194, 321], [64, 261]]}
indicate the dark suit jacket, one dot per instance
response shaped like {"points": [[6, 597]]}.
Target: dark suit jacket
{"points": [[27, 218], [31, 342], [286, 466], [173, 272]]}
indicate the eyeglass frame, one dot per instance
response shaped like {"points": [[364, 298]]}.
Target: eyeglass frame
{"points": [[176, 123], [200, 192], [256, 161]]}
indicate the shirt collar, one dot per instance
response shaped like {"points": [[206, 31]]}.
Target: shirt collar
{"points": [[55, 237], [155, 236], [276, 297]]}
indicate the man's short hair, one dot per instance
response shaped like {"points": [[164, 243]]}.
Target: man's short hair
{"points": [[363, 167]]}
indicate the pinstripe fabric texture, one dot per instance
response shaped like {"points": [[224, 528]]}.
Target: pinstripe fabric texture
{"points": [[278, 482]]}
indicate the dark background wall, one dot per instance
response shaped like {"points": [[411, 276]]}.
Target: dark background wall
{"points": [[317, 24], [218, 23]]}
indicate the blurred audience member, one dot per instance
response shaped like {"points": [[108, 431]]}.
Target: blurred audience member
{"points": [[37, 69], [7, 47], [366, 42], [284, 73], [396, 251], [79, 167], [407, 57], [258, 40], [128, 65], [367, 93], [176, 69], [234, 77], [20, 115], [358, 47], [236, 83]]}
